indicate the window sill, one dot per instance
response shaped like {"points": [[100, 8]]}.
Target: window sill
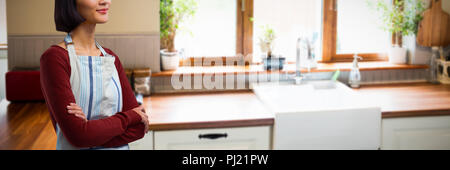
{"points": [[289, 68]]}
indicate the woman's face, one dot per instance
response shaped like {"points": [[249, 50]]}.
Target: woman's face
{"points": [[94, 11]]}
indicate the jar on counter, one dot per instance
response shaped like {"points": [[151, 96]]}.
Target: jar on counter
{"points": [[142, 81]]}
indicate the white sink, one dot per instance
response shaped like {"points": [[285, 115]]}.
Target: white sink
{"points": [[320, 115]]}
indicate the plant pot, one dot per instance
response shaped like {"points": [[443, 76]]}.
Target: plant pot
{"points": [[397, 55], [273, 63], [169, 60], [416, 54]]}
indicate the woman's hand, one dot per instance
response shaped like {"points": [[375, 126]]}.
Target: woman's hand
{"points": [[144, 117], [76, 110]]}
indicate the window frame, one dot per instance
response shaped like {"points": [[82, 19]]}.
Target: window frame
{"points": [[244, 30], [244, 35], [329, 34]]}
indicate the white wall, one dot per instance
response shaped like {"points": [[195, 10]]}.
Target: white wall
{"points": [[35, 17]]}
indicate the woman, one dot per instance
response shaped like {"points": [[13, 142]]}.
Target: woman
{"points": [[85, 87]]}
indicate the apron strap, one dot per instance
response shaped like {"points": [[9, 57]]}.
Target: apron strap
{"points": [[101, 49], [71, 47]]}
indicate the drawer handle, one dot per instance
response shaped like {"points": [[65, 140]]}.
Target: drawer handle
{"points": [[213, 135]]}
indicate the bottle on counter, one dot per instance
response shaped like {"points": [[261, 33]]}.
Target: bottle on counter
{"points": [[433, 69], [354, 79]]}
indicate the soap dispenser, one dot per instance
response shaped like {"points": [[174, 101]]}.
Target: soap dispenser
{"points": [[355, 76]]}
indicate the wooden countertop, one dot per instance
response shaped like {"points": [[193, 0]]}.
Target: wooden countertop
{"points": [[235, 109], [206, 110], [405, 100]]}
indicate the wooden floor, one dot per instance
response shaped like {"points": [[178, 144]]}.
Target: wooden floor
{"points": [[26, 126]]}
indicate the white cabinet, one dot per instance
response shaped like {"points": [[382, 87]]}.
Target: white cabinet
{"points": [[353, 129], [432, 132], [146, 143], [320, 115], [239, 138]]}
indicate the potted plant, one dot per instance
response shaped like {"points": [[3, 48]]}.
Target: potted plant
{"points": [[267, 44], [415, 53], [172, 13], [402, 19], [266, 40]]}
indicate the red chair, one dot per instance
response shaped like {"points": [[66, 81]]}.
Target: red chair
{"points": [[23, 85]]}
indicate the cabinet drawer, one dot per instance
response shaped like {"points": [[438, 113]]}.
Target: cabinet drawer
{"points": [[146, 143], [240, 138], [421, 133]]}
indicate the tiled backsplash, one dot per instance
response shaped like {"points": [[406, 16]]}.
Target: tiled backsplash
{"points": [[134, 50], [163, 84], [389, 76]]}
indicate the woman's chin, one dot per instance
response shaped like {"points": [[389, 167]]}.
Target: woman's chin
{"points": [[102, 20]]}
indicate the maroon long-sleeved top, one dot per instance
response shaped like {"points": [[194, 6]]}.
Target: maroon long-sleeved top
{"points": [[117, 130]]}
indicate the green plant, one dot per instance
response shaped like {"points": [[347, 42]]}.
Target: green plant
{"points": [[266, 40], [400, 18], [172, 13]]}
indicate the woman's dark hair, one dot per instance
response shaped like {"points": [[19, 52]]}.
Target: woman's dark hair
{"points": [[67, 17]]}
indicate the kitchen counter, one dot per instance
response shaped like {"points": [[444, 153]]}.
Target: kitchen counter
{"points": [[206, 110], [237, 109], [406, 100]]}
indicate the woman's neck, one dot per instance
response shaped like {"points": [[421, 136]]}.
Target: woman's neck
{"points": [[84, 37]]}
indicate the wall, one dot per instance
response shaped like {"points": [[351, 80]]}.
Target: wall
{"points": [[135, 22], [126, 17]]}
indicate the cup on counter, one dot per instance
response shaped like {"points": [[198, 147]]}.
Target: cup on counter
{"points": [[444, 71], [142, 84]]}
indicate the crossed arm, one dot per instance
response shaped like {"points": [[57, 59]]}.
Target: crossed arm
{"points": [[124, 127]]}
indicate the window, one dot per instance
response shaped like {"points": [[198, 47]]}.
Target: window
{"points": [[212, 30], [223, 28], [350, 26], [289, 19]]}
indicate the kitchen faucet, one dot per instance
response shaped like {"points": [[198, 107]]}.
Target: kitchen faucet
{"points": [[298, 75], [310, 57]]}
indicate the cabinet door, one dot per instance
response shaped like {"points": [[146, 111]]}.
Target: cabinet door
{"points": [[146, 143], [431, 132], [241, 138]]}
